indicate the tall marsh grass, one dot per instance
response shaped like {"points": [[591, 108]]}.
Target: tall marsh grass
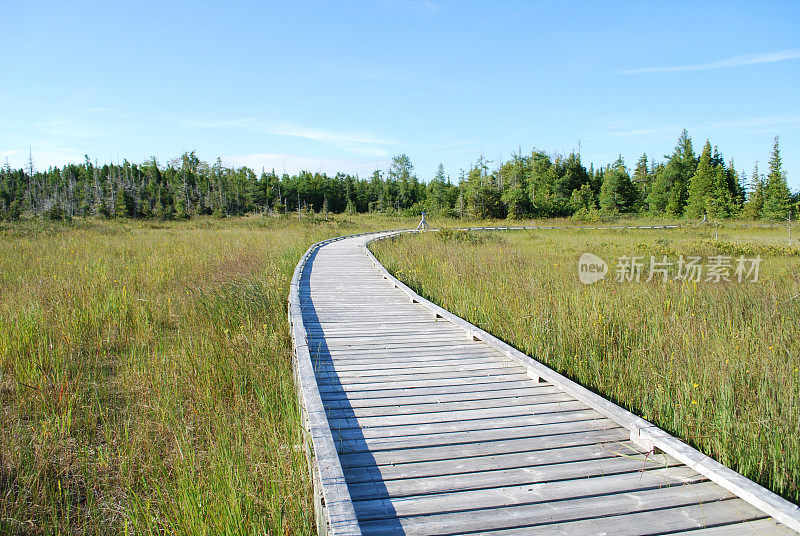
{"points": [[147, 377], [717, 364]]}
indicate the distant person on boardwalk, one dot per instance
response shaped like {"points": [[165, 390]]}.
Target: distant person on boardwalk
{"points": [[423, 225]]}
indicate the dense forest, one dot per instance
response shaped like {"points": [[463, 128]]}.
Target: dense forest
{"points": [[527, 185]]}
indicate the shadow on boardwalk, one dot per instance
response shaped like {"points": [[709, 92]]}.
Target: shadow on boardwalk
{"points": [[358, 464]]}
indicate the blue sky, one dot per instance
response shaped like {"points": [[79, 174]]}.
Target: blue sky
{"points": [[346, 85]]}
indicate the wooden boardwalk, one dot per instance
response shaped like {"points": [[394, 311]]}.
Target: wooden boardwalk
{"points": [[420, 428]]}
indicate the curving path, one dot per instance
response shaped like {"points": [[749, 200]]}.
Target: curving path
{"points": [[423, 424]]}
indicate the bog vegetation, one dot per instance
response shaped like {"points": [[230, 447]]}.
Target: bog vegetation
{"points": [[536, 185], [146, 381], [717, 364], [146, 376]]}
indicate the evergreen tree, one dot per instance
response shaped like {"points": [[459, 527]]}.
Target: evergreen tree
{"points": [[534, 184], [701, 185], [514, 184], [123, 204], [642, 178], [720, 203], [542, 178], [516, 200], [669, 189], [482, 198], [583, 201], [441, 194], [755, 196], [776, 190], [571, 176], [618, 193]]}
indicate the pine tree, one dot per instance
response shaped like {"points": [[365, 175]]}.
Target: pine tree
{"points": [[123, 204], [571, 176], [641, 176], [516, 201], [755, 196], [483, 199], [669, 188], [686, 167], [582, 201], [542, 178], [618, 193], [736, 188], [701, 184], [720, 203], [776, 190]]}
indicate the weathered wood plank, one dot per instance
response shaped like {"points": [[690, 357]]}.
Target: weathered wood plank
{"points": [[353, 443], [673, 520], [518, 469], [384, 363], [343, 410], [760, 527], [450, 416], [527, 494], [568, 510], [466, 425], [429, 335], [421, 328], [479, 449], [395, 397], [389, 348], [323, 353], [454, 391], [416, 373], [409, 384]]}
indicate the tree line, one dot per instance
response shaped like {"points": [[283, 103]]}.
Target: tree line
{"points": [[537, 184]]}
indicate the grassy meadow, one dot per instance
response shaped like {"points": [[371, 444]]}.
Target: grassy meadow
{"points": [[717, 364], [147, 377]]}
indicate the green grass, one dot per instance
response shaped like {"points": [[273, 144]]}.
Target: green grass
{"points": [[147, 377], [146, 382], [715, 364]]}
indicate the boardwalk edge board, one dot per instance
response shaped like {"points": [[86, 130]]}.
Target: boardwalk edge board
{"points": [[334, 510]]}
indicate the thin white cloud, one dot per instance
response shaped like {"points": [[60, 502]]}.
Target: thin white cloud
{"points": [[362, 144], [736, 61], [356, 143], [70, 128], [419, 6], [389, 75], [293, 164], [758, 124], [43, 157], [639, 132], [749, 125], [224, 123], [286, 129]]}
